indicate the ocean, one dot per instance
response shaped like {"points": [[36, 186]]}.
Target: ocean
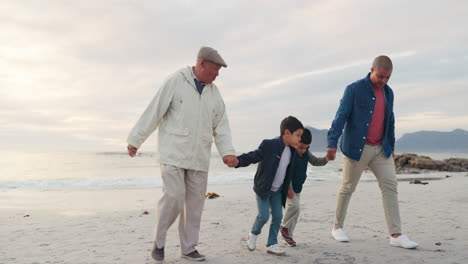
{"points": [[87, 170]]}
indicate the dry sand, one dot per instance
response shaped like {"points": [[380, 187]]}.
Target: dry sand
{"points": [[108, 226]]}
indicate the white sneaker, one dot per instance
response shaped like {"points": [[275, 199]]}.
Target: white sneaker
{"points": [[251, 241], [403, 241], [275, 250], [339, 235]]}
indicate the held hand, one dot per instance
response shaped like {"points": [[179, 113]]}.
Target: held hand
{"points": [[131, 150], [230, 160], [291, 193], [331, 153]]}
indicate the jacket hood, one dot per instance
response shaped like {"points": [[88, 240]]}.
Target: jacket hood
{"points": [[187, 73]]}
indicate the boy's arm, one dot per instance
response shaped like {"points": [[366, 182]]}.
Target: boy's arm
{"points": [[251, 157], [314, 161]]}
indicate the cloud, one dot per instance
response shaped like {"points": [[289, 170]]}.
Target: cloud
{"points": [[83, 71], [264, 87]]}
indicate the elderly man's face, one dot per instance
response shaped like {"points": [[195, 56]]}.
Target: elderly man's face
{"points": [[380, 77], [209, 71]]}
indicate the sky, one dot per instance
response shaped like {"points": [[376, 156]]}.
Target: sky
{"points": [[76, 75]]}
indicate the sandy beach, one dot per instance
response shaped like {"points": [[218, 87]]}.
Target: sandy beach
{"points": [[109, 225]]}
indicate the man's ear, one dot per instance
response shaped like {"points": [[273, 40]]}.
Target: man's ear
{"points": [[203, 63], [287, 132]]}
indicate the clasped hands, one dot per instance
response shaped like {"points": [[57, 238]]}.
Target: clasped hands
{"points": [[230, 160], [331, 154]]}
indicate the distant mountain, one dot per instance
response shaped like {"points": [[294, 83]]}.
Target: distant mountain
{"points": [[433, 141], [420, 141]]}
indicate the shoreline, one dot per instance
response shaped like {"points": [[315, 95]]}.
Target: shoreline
{"points": [[312, 179], [108, 225]]}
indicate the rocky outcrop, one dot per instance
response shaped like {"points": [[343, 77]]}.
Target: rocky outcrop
{"points": [[412, 163]]}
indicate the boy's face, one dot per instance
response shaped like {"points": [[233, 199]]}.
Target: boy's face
{"points": [[302, 148], [294, 138]]}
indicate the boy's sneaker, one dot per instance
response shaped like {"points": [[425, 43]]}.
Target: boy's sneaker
{"points": [[275, 250], [157, 253], [251, 241], [340, 235], [403, 241], [194, 255]]}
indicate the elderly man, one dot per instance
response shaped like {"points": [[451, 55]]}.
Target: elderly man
{"points": [[366, 113], [190, 112]]}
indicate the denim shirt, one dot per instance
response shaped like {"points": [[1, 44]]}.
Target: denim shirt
{"points": [[354, 115]]}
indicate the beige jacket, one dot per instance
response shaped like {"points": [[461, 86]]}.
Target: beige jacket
{"points": [[187, 122]]}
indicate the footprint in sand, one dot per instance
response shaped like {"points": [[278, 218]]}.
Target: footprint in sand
{"points": [[334, 258]]}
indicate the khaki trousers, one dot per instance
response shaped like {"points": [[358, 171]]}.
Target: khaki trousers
{"points": [[384, 170], [184, 196], [291, 213]]}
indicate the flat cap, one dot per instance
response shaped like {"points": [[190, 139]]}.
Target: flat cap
{"points": [[211, 55]]}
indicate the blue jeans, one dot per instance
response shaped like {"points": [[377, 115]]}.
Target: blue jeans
{"points": [[274, 201]]}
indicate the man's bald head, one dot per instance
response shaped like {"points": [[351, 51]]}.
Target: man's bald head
{"points": [[381, 71], [382, 62]]}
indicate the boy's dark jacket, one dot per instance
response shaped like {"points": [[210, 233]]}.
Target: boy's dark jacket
{"points": [[269, 155], [300, 169]]}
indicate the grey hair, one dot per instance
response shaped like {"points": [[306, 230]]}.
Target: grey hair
{"points": [[382, 62]]}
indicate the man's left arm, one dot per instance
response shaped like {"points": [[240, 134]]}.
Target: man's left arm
{"points": [[222, 136], [223, 139]]}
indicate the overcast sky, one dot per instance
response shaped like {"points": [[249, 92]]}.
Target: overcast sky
{"points": [[76, 75]]}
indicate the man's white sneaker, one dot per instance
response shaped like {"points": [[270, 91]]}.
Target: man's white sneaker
{"points": [[339, 235], [275, 250], [251, 241], [403, 241]]}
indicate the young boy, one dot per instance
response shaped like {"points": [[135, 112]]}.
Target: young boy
{"points": [[272, 180], [299, 175]]}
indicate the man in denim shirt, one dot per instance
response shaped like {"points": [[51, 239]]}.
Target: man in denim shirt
{"points": [[366, 114]]}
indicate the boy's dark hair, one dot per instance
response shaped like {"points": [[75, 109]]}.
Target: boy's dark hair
{"points": [[306, 137], [290, 123]]}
